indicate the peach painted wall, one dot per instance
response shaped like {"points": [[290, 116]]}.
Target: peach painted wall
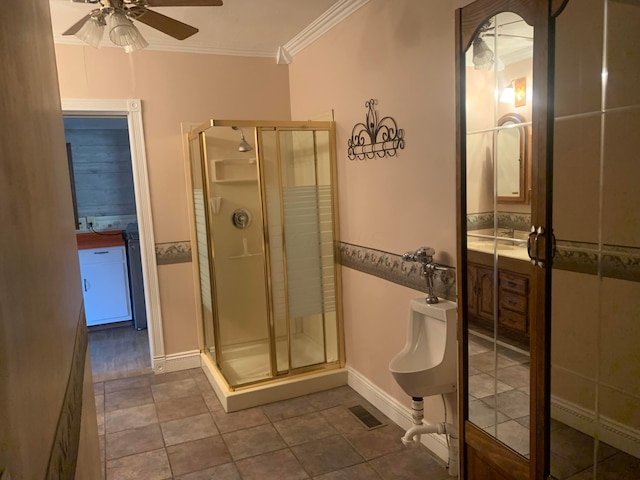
{"points": [[402, 54], [175, 88]]}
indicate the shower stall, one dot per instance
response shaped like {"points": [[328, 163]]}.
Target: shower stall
{"points": [[266, 231]]}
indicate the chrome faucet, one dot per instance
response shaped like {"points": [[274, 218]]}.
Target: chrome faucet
{"points": [[507, 232], [424, 256]]}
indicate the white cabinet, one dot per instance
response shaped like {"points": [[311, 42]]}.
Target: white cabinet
{"points": [[105, 285]]}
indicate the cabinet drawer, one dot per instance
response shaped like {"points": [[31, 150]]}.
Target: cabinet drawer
{"points": [[514, 283], [101, 255], [514, 321], [513, 301]]}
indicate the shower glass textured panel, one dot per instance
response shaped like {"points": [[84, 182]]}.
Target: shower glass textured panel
{"points": [[308, 234], [300, 219], [203, 244]]}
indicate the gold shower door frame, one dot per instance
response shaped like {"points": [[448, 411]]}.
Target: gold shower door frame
{"points": [[277, 127]]}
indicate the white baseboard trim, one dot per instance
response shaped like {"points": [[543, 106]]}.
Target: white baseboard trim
{"points": [[609, 431], [397, 412], [177, 361]]}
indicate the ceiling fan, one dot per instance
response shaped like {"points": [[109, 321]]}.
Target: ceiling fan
{"points": [[118, 16]]}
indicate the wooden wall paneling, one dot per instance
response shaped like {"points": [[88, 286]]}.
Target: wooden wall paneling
{"points": [[102, 172]]}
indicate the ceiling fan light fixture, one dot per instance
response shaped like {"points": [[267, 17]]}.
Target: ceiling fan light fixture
{"points": [[482, 55], [92, 31], [124, 33]]}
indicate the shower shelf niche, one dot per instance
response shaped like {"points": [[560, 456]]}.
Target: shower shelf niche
{"points": [[234, 170]]}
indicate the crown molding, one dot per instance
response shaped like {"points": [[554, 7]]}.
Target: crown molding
{"points": [[173, 47], [325, 22]]}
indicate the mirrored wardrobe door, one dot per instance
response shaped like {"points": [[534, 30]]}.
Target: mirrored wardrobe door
{"points": [[595, 313], [498, 222], [498, 143]]}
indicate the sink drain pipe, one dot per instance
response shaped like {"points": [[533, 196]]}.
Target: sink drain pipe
{"points": [[412, 436]]}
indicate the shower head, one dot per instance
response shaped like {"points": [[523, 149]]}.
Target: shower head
{"points": [[244, 145]]}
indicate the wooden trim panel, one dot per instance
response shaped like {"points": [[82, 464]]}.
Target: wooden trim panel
{"points": [[495, 453]]}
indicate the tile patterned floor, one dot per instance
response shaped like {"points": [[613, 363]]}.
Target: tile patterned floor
{"points": [[499, 397], [172, 426], [499, 403]]}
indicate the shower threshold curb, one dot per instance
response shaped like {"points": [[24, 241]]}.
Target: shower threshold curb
{"points": [[232, 401]]}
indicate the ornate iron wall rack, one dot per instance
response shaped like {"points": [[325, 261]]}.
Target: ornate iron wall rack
{"points": [[375, 138]]}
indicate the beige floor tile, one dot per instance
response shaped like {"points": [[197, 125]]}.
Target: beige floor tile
{"points": [[175, 389], [198, 455], [326, 455], [187, 429], [253, 441], [127, 398], [153, 465], [132, 441], [304, 428], [280, 465], [131, 417], [174, 408]]}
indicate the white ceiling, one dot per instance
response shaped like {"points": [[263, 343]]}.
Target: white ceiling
{"points": [[239, 27]]}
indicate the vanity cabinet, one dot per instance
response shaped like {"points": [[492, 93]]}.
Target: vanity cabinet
{"points": [[105, 285], [513, 311], [480, 278], [512, 298]]}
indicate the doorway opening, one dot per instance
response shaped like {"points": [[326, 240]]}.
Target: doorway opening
{"points": [[112, 195]]}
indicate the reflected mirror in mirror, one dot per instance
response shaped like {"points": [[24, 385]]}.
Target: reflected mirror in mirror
{"points": [[511, 158], [498, 220]]}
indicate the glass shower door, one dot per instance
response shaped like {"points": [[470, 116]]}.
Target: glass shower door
{"points": [[299, 203], [234, 212]]}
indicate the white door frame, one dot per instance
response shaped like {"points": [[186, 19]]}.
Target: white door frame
{"points": [[132, 109]]}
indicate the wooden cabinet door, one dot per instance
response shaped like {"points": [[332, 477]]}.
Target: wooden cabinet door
{"points": [[485, 285], [105, 285]]}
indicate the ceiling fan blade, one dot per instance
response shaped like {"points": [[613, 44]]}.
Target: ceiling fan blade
{"points": [[167, 25], [78, 25], [184, 3]]}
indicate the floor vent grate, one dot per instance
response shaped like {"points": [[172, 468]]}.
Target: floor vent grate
{"points": [[368, 420]]}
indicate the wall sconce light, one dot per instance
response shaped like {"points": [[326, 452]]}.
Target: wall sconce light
{"points": [[508, 95], [515, 93]]}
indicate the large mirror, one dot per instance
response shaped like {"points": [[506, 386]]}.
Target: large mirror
{"points": [[595, 311], [498, 80], [512, 162]]}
